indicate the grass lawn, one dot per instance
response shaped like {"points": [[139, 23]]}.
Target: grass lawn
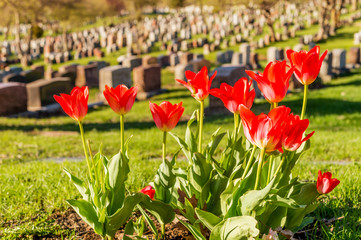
{"points": [[33, 185]]}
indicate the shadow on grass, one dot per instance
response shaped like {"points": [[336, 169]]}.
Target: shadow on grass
{"points": [[315, 106]]}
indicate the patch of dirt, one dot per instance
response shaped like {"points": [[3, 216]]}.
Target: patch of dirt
{"points": [[70, 220], [54, 133]]}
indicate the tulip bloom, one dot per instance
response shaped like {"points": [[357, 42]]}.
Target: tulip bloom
{"points": [[75, 104], [265, 131], [325, 183], [166, 115], [198, 83], [148, 190], [306, 65], [234, 97], [274, 81], [120, 99], [293, 133]]}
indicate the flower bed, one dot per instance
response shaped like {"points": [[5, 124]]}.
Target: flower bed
{"points": [[246, 193]]}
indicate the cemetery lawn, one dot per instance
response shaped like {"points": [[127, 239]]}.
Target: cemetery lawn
{"points": [[33, 185]]}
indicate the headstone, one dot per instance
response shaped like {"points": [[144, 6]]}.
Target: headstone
{"points": [[149, 60], [326, 68], [31, 75], [338, 60], [237, 58], [245, 49], [114, 76], [254, 61], [9, 92], [40, 93], [132, 62], [186, 57], [87, 76], [174, 59], [198, 64], [163, 60], [353, 55], [147, 78], [229, 75], [272, 54], [14, 77], [179, 71]]}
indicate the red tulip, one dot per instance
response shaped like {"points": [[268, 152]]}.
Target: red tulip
{"points": [[199, 84], [75, 104], [293, 132], [148, 190], [325, 183], [120, 99], [234, 97], [274, 81], [166, 116], [306, 65], [265, 131]]}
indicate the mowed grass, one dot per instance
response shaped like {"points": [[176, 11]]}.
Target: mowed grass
{"points": [[33, 184]]}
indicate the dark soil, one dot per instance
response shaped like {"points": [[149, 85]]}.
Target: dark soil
{"points": [[70, 220]]}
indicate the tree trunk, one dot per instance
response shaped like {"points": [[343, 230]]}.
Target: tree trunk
{"points": [[323, 20], [17, 34], [354, 4]]}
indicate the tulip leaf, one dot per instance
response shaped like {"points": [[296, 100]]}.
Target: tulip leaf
{"points": [[119, 218], [199, 173], [149, 221], [190, 139], [235, 228], [118, 168], [252, 199], [183, 146], [208, 219], [79, 184], [163, 212], [283, 202], [215, 140], [87, 212], [128, 230], [196, 233], [296, 216], [164, 182]]}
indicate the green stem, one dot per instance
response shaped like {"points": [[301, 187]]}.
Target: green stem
{"points": [[163, 230], [122, 133], [201, 115], [259, 168], [236, 125], [250, 161], [304, 101], [280, 166], [164, 144], [273, 105], [85, 150], [269, 169], [95, 170]]}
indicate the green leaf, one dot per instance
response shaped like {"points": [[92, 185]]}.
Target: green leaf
{"points": [[183, 146], [194, 231], [119, 218], [253, 198], [235, 228], [128, 230], [79, 184], [295, 216], [149, 221], [208, 219], [87, 212], [190, 139], [215, 140], [118, 168], [163, 212], [164, 182], [283, 202], [199, 173]]}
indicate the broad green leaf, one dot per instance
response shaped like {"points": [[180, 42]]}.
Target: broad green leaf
{"points": [[295, 216], [183, 146], [149, 221], [215, 140], [120, 217], [253, 198], [163, 212], [283, 202], [164, 182], [87, 212], [118, 168], [79, 184], [208, 219], [235, 228], [128, 230], [199, 173], [196, 233]]}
